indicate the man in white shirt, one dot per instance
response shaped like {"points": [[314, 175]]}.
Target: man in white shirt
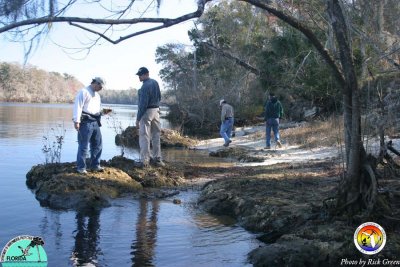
{"points": [[86, 116]]}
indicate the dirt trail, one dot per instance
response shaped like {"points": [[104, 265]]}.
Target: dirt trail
{"points": [[252, 139]]}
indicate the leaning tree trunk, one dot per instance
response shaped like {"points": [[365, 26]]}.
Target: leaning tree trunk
{"points": [[358, 188]]}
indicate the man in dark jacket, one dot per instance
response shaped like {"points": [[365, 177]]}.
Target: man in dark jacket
{"points": [[148, 120], [273, 112]]}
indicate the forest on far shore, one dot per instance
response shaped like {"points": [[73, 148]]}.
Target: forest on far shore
{"points": [[29, 84]]}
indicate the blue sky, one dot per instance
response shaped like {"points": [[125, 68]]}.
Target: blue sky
{"points": [[116, 63]]}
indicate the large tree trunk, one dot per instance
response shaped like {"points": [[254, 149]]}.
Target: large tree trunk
{"points": [[355, 190], [358, 187]]}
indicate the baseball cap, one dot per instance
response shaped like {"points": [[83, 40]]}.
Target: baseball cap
{"points": [[142, 70], [100, 81], [221, 101]]}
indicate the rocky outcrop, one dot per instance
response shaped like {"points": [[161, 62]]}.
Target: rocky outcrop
{"points": [[151, 177], [287, 204], [238, 153], [59, 186], [169, 138]]}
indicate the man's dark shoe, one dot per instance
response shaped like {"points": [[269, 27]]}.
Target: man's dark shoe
{"points": [[157, 162], [226, 144], [267, 147], [98, 169], [140, 165]]}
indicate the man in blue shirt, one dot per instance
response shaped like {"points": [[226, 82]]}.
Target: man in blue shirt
{"points": [[148, 120]]}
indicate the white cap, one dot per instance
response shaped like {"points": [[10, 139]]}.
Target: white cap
{"points": [[100, 81], [221, 101]]}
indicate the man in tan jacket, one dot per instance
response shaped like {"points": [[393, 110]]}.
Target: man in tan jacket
{"points": [[227, 119]]}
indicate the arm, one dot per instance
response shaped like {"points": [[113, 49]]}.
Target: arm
{"points": [[266, 107], [78, 107], [223, 113], [105, 111], [143, 101]]}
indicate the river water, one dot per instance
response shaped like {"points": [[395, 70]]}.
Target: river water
{"points": [[130, 232]]}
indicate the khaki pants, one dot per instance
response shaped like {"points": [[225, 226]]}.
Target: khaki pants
{"points": [[150, 127]]}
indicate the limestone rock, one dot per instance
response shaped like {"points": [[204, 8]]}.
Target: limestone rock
{"points": [[59, 186], [169, 138]]}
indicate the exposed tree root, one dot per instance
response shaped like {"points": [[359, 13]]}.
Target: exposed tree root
{"points": [[390, 167], [390, 218], [340, 209], [368, 187]]}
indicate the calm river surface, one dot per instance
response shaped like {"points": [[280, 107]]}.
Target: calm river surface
{"points": [[130, 232]]}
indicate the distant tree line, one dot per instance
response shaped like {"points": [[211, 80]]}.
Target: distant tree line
{"points": [[129, 97], [33, 85]]}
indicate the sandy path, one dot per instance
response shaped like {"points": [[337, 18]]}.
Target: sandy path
{"points": [[252, 139]]}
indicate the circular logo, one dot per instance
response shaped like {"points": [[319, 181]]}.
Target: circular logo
{"points": [[24, 250], [370, 238]]}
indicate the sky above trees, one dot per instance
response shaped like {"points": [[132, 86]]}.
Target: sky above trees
{"points": [[116, 63]]}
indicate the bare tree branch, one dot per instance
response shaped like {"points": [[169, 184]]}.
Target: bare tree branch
{"points": [[302, 64], [232, 57], [164, 21], [373, 44], [122, 38]]}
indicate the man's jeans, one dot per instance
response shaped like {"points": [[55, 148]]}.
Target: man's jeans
{"points": [[89, 132], [150, 127], [274, 125], [226, 129]]}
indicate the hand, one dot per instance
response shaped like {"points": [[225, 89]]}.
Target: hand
{"points": [[76, 125], [106, 110], [137, 124]]}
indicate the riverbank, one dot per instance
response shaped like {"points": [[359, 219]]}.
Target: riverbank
{"points": [[287, 196]]}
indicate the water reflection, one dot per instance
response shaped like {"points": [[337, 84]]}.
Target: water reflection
{"points": [[86, 248], [86, 251], [52, 223], [24, 119], [130, 232], [146, 234]]}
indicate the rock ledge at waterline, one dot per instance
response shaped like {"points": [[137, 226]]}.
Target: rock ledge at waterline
{"points": [[169, 138], [59, 186]]}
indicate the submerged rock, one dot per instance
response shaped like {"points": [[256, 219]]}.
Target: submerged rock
{"points": [[169, 138], [59, 186], [241, 154]]}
